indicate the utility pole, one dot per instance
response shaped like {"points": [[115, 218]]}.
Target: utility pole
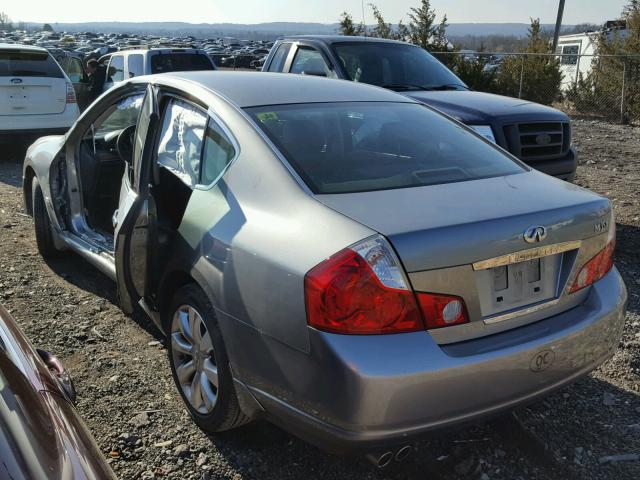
{"points": [[556, 34]]}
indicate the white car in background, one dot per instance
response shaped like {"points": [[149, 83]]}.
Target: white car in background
{"points": [[127, 64], [36, 96]]}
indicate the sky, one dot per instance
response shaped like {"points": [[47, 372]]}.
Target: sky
{"points": [[321, 11]]}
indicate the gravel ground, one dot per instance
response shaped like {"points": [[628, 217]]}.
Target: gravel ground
{"points": [[128, 399]]}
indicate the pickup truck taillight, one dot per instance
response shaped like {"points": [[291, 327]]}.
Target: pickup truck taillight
{"points": [[71, 94], [362, 290]]}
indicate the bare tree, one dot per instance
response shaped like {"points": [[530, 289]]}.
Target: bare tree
{"points": [[5, 22]]}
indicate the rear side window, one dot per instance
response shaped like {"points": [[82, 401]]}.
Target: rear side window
{"points": [[358, 147], [22, 63], [116, 68], [134, 65], [180, 62], [218, 153], [280, 58], [181, 140]]}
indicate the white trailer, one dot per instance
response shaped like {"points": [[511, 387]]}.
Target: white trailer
{"points": [[576, 53]]}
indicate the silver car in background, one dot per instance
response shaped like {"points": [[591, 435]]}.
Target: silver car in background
{"points": [[340, 259]]}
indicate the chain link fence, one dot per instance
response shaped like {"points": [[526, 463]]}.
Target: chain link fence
{"points": [[605, 87]]}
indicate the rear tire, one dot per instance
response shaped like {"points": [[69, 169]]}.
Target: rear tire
{"points": [[197, 350], [41, 223]]}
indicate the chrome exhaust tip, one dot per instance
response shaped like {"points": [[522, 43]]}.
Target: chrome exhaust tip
{"points": [[382, 460], [403, 453]]}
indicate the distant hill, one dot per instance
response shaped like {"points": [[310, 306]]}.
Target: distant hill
{"points": [[269, 30]]}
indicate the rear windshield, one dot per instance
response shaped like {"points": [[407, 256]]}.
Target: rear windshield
{"points": [[17, 63], [358, 147], [179, 62]]}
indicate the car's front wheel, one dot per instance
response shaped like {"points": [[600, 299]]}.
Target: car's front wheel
{"points": [[42, 223], [199, 362]]}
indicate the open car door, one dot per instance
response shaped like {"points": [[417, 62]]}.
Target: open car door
{"points": [[135, 219]]}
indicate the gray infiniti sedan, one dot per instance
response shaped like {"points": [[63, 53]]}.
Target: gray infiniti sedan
{"points": [[337, 258]]}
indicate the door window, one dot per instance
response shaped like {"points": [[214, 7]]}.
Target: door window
{"points": [[135, 65], [116, 68], [310, 61], [122, 115], [181, 140], [280, 58], [218, 153]]}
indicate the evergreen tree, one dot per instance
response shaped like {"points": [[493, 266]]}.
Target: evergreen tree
{"points": [[423, 30], [539, 75], [382, 28], [347, 27], [402, 32]]}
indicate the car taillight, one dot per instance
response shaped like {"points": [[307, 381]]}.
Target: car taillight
{"points": [[442, 310], [362, 290], [596, 268], [71, 94]]}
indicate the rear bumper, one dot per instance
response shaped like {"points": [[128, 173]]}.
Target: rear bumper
{"points": [[563, 168], [28, 136], [27, 128], [370, 392]]}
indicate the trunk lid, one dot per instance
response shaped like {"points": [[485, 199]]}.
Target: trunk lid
{"points": [[32, 95], [467, 239], [461, 223]]}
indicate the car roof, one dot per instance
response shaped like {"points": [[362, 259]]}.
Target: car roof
{"points": [[251, 89], [15, 46], [329, 39], [130, 51]]}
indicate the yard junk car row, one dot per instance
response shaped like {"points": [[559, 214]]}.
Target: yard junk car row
{"points": [[224, 51], [356, 264]]}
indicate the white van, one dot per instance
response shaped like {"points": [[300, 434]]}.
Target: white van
{"points": [[36, 96], [134, 63]]}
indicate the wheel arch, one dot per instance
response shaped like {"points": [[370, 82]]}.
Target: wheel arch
{"points": [[27, 188], [174, 279], [171, 282]]}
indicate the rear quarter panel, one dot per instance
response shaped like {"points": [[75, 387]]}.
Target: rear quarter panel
{"points": [[254, 235]]}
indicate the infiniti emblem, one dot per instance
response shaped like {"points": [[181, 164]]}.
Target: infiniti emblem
{"points": [[535, 234], [543, 139], [16, 80]]}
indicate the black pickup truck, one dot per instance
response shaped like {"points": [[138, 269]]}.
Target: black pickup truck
{"points": [[538, 135]]}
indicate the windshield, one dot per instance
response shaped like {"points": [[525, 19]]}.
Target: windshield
{"points": [[16, 63], [179, 62], [356, 147], [396, 66]]}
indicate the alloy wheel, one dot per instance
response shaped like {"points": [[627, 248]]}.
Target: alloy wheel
{"points": [[194, 359]]}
